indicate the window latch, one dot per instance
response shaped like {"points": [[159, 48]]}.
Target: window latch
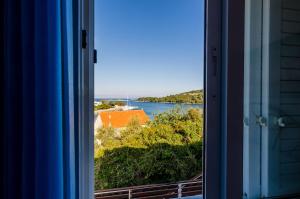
{"points": [[262, 121], [95, 56], [281, 122], [84, 39], [214, 54]]}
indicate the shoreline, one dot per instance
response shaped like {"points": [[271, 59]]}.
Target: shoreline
{"points": [[123, 100], [169, 102]]}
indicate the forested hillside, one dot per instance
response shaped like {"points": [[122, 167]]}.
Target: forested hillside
{"points": [[191, 97]]}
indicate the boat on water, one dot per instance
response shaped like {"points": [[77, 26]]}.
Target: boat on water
{"points": [[127, 107]]}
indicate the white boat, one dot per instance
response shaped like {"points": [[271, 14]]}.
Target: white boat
{"points": [[126, 108]]}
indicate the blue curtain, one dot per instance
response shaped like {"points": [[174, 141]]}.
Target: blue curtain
{"points": [[37, 129]]}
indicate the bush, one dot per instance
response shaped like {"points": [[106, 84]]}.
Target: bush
{"points": [[103, 106], [168, 149], [118, 103]]}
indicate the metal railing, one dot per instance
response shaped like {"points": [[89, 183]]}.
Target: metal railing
{"points": [[158, 191]]}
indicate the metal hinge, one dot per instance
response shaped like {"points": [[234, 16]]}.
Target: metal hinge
{"points": [[246, 121], [84, 39]]}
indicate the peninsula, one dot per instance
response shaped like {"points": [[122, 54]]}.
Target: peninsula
{"points": [[190, 97]]}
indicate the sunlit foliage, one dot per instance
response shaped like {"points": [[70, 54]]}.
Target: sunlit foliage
{"points": [[167, 149], [191, 97]]}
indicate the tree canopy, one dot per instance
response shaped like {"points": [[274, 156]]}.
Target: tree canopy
{"points": [[191, 97], [167, 149]]}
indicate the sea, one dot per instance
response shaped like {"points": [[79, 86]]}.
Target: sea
{"points": [[152, 108]]}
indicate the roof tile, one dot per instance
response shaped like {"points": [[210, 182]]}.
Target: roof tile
{"points": [[119, 119]]}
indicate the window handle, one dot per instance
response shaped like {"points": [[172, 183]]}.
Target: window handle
{"points": [[214, 54], [84, 39], [262, 121], [95, 56], [281, 122]]}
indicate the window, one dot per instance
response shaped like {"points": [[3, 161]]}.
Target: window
{"points": [[149, 98], [223, 95]]}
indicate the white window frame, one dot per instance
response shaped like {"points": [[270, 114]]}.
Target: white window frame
{"points": [[84, 88], [212, 108], [224, 99], [253, 95]]}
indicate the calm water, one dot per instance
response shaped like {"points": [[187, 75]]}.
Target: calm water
{"points": [[154, 108]]}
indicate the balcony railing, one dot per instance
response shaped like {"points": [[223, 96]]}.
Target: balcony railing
{"points": [[158, 191]]}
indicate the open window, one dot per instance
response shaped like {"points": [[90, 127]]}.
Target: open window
{"points": [[223, 119], [149, 98], [56, 137]]}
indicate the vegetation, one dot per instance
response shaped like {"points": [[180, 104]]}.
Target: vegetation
{"points": [[108, 104], [167, 149], [191, 97], [103, 107], [118, 103]]}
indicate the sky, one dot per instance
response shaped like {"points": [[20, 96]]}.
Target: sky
{"points": [[148, 47]]}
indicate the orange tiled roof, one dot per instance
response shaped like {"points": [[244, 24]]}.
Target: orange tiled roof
{"points": [[119, 119]]}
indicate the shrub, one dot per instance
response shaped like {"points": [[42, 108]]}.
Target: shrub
{"points": [[103, 106], [168, 149]]}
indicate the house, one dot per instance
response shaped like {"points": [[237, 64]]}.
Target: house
{"points": [[120, 119], [96, 103]]}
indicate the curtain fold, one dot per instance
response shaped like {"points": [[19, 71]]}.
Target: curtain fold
{"points": [[38, 110]]}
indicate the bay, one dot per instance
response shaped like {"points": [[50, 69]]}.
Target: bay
{"points": [[152, 108]]}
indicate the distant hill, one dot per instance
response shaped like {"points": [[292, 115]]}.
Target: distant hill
{"points": [[190, 97]]}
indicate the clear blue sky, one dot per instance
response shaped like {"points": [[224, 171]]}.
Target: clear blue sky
{"points": [[148, 47]]}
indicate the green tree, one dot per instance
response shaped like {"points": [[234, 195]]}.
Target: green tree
{"points": [[167, 149]]}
